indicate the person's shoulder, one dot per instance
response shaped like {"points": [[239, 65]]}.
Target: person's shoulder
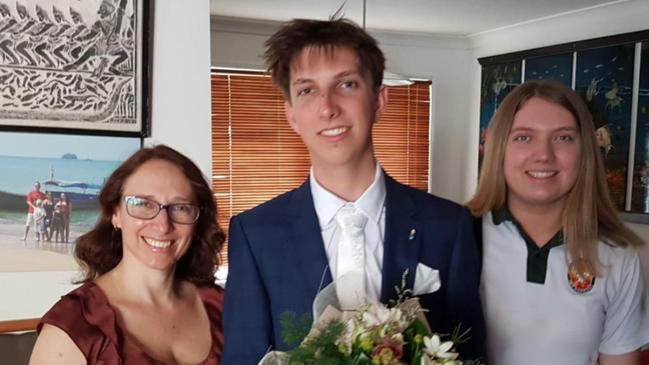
{"points": [[67, 309], [211, 293], [431, 203], [613, 256], [86, 317], [270, 208], [54, 346], [212, 297], [81, 312]]}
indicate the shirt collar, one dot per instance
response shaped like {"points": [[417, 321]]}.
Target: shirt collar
{"points": [[537, 257], [370, 202], [503, 214]]}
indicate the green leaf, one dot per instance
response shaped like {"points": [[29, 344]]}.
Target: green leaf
{"points": [[321, 349], [413, 347], [362, 359], [415, 356], [459, 337], [294, 327], [419, 328]]}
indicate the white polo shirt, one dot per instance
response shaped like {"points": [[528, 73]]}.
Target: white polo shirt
{"points": [[534, 316]]}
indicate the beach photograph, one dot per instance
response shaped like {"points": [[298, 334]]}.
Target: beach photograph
{"points": [[61, 175]]}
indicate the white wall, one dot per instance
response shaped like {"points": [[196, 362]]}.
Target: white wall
{"points": [[181, 119], [445, 61], [181, 115], [31, 294]]}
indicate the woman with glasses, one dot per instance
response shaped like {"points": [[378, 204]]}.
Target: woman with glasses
{"points": [[148, 293]]}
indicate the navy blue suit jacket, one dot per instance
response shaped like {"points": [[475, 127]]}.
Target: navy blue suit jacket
{"points": [[277, 263]]}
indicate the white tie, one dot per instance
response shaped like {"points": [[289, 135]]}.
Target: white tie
{"points": [[351, 258]]}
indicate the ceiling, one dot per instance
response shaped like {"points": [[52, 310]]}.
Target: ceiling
{"points": [[441, 17]]}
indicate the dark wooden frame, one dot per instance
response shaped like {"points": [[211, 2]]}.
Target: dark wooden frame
{"points": [[613, 40]]}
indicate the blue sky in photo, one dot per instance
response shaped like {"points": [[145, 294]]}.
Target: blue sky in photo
{"points": [[55, 145]]}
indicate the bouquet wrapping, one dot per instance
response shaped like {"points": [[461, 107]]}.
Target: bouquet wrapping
{"points": [[373, 334]]}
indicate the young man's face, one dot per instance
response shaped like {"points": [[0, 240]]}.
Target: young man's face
{"points": [[333, 106]]}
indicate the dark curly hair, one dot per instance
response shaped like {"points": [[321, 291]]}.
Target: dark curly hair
{"points": [[100, 250], [298, 34]]}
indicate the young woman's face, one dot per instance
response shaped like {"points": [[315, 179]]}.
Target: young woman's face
{"points": [[542, 155]]}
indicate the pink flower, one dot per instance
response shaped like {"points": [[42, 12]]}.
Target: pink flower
{"points": [[388, 353]]}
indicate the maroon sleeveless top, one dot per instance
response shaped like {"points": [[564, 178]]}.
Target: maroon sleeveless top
{"points": [[85, 315]]}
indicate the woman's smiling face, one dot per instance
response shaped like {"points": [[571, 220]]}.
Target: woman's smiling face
{"points": [[158, 242], [542, 155]]}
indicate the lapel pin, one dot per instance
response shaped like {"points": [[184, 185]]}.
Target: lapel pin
{"points": [[412, 234]]}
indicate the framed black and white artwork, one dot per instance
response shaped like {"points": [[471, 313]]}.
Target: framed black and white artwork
{"points": [[75, 66]]}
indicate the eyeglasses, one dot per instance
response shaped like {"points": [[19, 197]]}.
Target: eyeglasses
{"points": [[143, 208]]}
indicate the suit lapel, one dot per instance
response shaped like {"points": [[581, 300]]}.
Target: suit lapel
{"points": [[402, 239], [306, 246]]}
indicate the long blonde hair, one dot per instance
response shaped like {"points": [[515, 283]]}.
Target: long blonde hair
{"points": [[589, 214]]}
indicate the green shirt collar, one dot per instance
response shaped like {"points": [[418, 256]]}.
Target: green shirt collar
{"points": [[537, 257]]}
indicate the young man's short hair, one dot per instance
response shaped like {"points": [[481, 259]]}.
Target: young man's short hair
{"points": [[299, 34]]}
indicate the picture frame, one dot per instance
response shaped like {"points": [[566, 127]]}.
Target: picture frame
{"points": [[640, 180], [76, 67], [73, 164]]}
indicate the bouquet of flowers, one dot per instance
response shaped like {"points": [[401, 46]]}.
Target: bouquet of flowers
{"points": [[375, 334]]}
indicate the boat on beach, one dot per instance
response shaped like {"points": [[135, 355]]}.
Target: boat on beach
{"points": [[82, 195], [17, 202]]}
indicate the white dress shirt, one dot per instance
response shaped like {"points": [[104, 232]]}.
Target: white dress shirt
{"points": [[372, 204]]}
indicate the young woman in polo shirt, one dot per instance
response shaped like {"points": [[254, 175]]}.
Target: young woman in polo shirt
{"points": [[561, 277]]}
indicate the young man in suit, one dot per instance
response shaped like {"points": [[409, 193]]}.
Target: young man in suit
{"points": [[284, 251]]}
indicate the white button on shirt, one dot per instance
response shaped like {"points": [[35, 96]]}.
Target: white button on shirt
{"points": [[372, 204]]}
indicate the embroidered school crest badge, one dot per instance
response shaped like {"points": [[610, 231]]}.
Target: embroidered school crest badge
{"points": [[580, 278]]}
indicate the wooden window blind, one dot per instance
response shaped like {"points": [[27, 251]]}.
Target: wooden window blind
{"points": [[256, 155]]}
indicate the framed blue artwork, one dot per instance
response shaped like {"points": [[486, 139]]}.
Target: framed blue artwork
{"points": [[497, 81], [604, 78]]}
